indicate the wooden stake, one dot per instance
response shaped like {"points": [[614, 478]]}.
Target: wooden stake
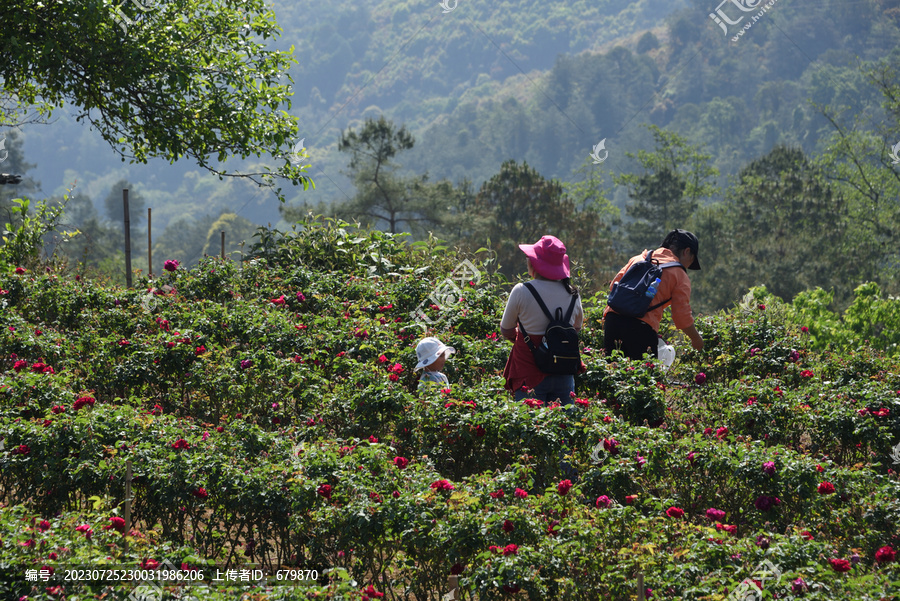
{"points": [[453, 595], [640, 586], [149, 247], [127, 238], [223, 244], [127, 501]]}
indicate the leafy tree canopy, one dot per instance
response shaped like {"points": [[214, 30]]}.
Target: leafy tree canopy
{"points": [[383, 196], [676, 176], [183, 78]]}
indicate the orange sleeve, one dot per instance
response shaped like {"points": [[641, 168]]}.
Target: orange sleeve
{"points": [[682, 316]]}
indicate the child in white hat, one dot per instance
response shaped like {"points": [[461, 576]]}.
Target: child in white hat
{"points": [[432, 354]]}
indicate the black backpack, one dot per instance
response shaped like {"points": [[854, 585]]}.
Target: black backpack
{"points": [[628, 296], [558, 352]]}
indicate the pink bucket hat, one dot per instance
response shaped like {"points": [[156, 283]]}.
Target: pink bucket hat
{"points": [[548, 255]]}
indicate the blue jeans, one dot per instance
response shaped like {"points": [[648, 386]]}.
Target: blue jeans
{"points": [[551, 388]]}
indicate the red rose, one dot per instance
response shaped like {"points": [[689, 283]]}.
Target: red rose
{"points": [[117, 523], [497, 495], [675, 512], [521, 494], [441, 485], [201, 493], [84, 401], [551, 528], [563, 487], [508, 526], [826, 488], [840, 565], [510, 550], [714, 514], [885, 555], [325, 491], [401, 462]]}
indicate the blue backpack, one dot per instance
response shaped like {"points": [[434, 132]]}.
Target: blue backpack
{"points": [[628, 296]]}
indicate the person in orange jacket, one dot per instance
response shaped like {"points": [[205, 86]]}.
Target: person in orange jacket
{"points": [[635, 336]]}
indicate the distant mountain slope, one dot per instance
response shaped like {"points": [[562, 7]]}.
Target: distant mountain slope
{"points": [[416, 64]]}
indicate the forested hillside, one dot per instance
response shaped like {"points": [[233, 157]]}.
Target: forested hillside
{"points": [[493, 93]]}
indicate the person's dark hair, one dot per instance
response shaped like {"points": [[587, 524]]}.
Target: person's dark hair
{"points": [[675, 243]]}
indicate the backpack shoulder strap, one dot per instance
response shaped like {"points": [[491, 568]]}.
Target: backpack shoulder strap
{"points": [[525, 336], [663, 266], [673, 264], [539, 300], [568, 315]]}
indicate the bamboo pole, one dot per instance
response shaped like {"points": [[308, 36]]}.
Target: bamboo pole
{"points": [[128, 478], [127, 238], [149, 247]]}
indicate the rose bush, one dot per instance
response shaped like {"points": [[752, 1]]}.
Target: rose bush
{"points": [[274, 433]]}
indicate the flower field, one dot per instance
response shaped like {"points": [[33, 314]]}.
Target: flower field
{"points": [[270, 416]]}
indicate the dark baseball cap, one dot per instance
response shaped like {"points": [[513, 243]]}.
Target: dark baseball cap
{"points": [[684, 238]]}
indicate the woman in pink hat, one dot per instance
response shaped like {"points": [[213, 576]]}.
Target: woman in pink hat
{"points": [[548, 265]]}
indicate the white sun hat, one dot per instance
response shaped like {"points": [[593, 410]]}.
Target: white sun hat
{"points": [[429, 349]]}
